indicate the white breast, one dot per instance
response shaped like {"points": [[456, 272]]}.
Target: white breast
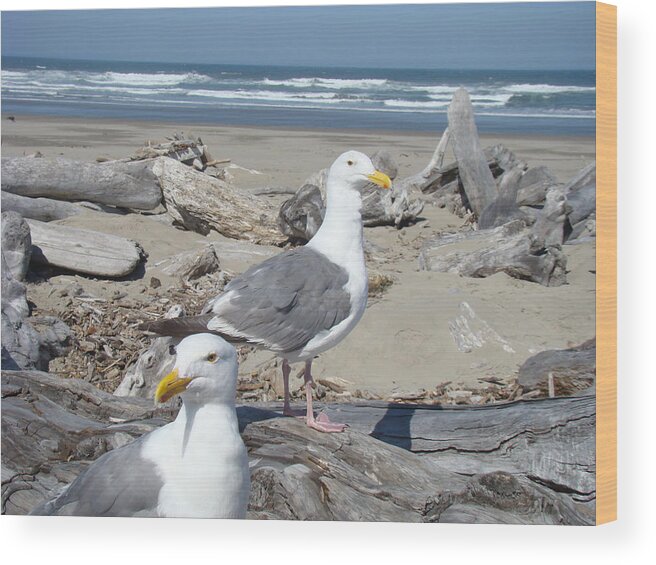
{"points": [[205, 475]]}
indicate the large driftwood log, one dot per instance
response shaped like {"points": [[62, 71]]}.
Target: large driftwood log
{"points": [[83, 251], [200, 203], [127, 185], [528, 462], [509, 248], [477, 180]]}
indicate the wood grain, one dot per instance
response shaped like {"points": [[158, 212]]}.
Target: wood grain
{"points": [[606, 263]]}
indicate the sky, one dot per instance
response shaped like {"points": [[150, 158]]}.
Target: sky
{"points": [[441, 36]]}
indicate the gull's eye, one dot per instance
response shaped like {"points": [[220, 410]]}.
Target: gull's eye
{"points": [[171, 349], [212, 358], [349, 163]]}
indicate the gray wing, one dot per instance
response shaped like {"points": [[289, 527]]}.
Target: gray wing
{"points": [[285, 301], [120, 483]]}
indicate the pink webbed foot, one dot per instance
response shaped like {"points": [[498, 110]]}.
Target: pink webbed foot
{"points": [[322, 423]]}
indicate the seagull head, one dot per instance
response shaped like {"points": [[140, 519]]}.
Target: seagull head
{"points": [[205, 370], [355, 170]]}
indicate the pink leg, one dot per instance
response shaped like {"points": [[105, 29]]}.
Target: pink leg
{"points": [[322, 423], [286, 370]]}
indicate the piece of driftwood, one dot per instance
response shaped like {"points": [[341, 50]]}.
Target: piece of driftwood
{"points": [[16, 244], [42, 209], [430, 177], [528, 462], [300, 217], [28, 343], [141, 379], [510, 248], [571, 370], [533, 186], [116, 183], [201, 203], [384, 162], [191, 265], [503, 208], [477, 180], [83, 251]]}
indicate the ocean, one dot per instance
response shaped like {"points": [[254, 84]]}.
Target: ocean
{"points": [[505, 101]]}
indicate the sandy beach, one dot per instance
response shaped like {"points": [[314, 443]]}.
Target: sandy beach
{"points": [[403, 344]]}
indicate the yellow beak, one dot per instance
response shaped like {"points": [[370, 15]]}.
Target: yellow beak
{"points": [[381, 179], [170, 386]]}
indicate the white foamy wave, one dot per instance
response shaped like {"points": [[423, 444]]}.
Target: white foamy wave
{"points": [[145, 79], [337, 83], [415, 104], [318, 97], [546, 88]]}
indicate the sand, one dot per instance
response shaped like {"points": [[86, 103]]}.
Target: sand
{"points": [[404, 342]]}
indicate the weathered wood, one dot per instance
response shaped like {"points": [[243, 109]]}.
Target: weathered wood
{"points": [[201, 203], [300, 217], [571, 370], [526, 462], [83, 251], [503, 208], [478, 182], [510, 248], [42, 209], [128, 185], [533, 186], [428, 179], [16, 244], [191, 265]]}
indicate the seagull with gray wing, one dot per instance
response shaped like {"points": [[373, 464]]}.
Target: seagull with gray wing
{"points": [[194, 467], [306, 300]]}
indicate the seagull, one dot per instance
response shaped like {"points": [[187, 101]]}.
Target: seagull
{"points": [[194, 467], [303, 301]]}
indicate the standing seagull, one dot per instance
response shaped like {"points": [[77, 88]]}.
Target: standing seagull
{"points": [[194, 467], [306, 300]]}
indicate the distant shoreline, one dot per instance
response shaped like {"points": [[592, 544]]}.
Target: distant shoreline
{"points": [[177, 123]]}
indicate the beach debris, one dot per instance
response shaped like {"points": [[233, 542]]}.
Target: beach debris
{"points": [[569, 371], [122, 184], [581, 195], [193, 264], [16, 244], [43, 209], [477, 180], [301, 216], [27, 343], [200, 203], [141, 379], [533, 185], [83, 251], [511, 248]]}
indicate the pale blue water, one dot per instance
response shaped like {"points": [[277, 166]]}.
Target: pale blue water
{"points": [[525, 102]]}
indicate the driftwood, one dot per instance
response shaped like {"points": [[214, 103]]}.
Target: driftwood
{"points": [[83, 251], [28, 343], [42, 209], [200, 203], [534, 185], [560, 372], [127, 185], [301, 216], [477, 180], [16, 244], [141, 379], [528, 462], [191, 265], [510, 248]]}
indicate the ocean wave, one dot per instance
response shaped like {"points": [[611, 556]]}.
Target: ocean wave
{"points": [[546, 88], [145, 79], [318, 97], [338, 83]]}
